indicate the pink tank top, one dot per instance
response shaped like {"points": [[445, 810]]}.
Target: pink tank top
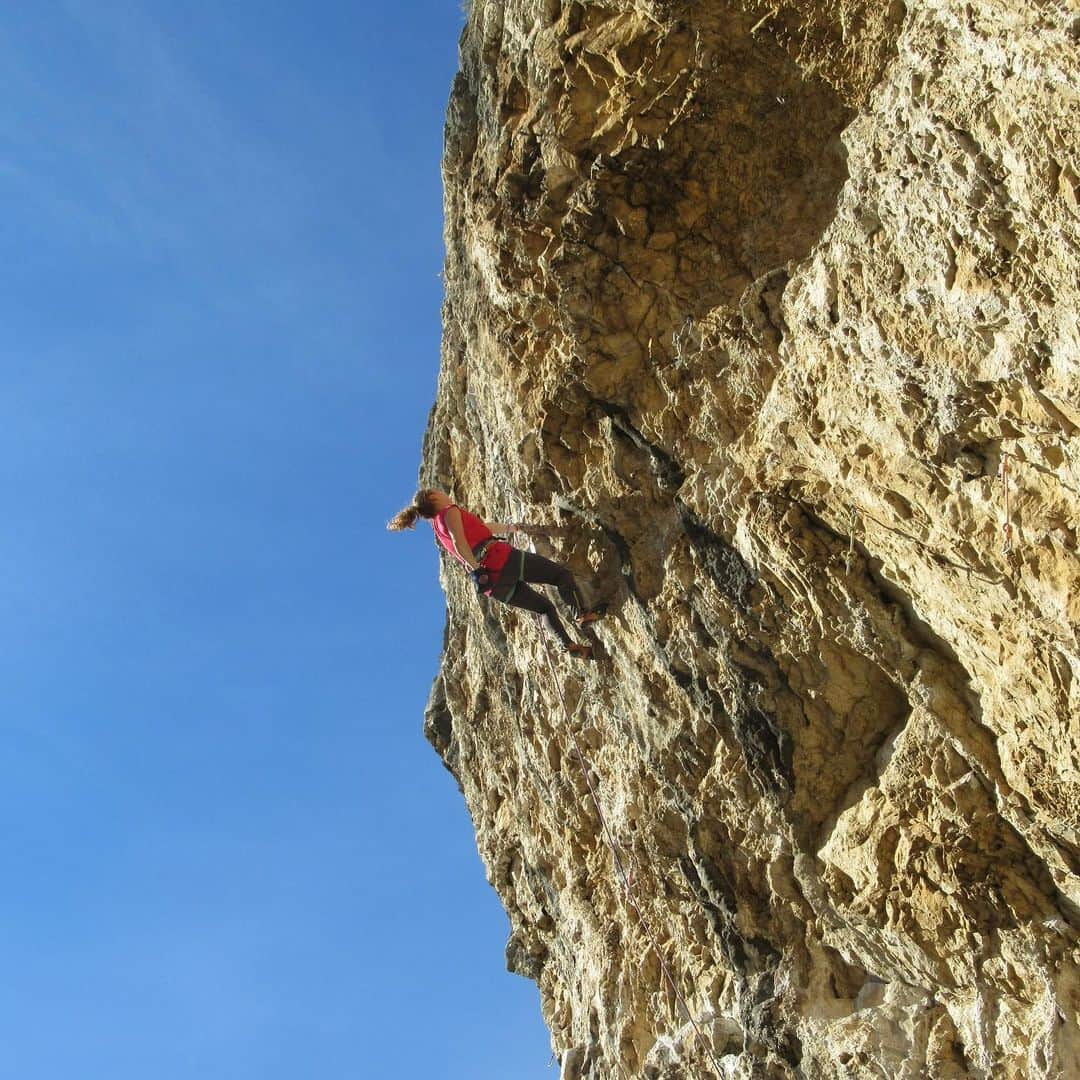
{"points": [[476, 532]]}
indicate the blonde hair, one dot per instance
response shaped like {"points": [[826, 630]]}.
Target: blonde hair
{"points": [[421, 506]]}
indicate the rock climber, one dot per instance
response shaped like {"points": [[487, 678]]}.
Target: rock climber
{"points": [[499, 570]]}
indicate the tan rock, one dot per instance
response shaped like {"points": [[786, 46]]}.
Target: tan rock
{"points": [[750, 302]]}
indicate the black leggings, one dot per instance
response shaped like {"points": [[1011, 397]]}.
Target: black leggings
{"points": [[540, 571]]}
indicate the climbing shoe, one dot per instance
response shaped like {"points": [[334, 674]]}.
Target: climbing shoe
{"points": [[592, 615]]}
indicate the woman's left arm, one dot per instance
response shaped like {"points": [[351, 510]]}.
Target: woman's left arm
{"points": [[457, 535]]}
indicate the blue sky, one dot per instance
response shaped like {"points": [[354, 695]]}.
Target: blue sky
{"points": [[228, 851]]}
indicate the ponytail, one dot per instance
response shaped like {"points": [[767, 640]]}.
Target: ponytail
{"points": [[403, 519], [421, 507]]}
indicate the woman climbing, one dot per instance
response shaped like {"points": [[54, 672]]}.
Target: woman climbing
{"points": [[500, 571]]}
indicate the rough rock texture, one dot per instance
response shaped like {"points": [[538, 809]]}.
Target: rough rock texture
{"points": [[750, 302]]}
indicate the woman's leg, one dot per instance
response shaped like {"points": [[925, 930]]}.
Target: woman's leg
{"points": [[540, 571], [531, 600]]}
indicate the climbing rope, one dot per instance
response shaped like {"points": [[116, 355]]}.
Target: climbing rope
{"points": [[625, 877]]}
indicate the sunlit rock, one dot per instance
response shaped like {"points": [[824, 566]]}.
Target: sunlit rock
{"points": [[769, 311]]}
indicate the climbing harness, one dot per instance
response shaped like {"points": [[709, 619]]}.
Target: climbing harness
{"points": [[502, 583], [625, 877], [510, 577], [483, 579]]}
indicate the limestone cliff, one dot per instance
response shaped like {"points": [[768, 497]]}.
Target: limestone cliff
{"points": [[751, 303]]}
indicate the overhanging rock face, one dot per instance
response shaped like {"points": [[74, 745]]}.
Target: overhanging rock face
{"points": [[751, 303]]}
